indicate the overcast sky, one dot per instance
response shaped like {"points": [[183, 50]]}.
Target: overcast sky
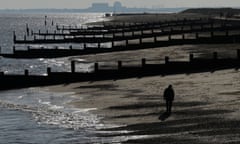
{"points": [[16, 4]]}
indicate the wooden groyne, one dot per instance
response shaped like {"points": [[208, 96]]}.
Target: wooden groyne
{"points": [[201, 31], [124, 25], [53, 53], [88, 36], [194, 65]]}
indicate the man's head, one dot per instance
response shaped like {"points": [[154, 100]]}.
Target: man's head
{"points": [[170, 86]]}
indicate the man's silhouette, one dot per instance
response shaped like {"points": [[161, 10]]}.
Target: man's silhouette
{"points": [[169, 97]]}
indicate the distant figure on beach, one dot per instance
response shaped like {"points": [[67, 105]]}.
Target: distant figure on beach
{"points": [[169, 97]]}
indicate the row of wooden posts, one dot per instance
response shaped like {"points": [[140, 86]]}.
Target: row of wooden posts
{"points": [[28, 31], [120, 63]]}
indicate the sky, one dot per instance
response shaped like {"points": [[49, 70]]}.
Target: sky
{"points": [[33, 4]]}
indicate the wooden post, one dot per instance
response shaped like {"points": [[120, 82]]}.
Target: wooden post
{"points": [[238, 54], [48, 71], [119, 65], [14, 49], [143, 62], [26, 72], [14, 36], [112, 44], [169, 37], [126, 42], [99, 45], [227, 33], [197, 35], [84, 45], [183, 36], [96, 68], [155, 39], [215, 55], [28, 48], [70, 47], [45, 22], [212, 34], [25, 38], [140, 41], [73, 66], [191, 57], [166, 60], [27, 29]]}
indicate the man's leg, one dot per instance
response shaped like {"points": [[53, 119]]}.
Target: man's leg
{"points": [[170, 106], [167, 106]]}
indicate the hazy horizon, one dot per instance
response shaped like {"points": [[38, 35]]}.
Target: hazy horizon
{"points": [[77, 4]]}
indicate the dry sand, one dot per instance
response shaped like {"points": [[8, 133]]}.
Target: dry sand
{"points": [[205, 110]]}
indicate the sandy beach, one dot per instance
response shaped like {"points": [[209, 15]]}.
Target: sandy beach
{"points": [[205, 110]]}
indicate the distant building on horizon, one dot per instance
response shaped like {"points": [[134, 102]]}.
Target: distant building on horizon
{"points": [[117, 7]]}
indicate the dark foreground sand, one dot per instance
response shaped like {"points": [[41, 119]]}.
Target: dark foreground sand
{"points": [[206, 108]]}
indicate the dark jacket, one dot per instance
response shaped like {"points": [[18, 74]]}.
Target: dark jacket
{"points": [[169, 94]]}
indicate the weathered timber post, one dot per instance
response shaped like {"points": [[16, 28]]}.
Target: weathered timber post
{"points": [[73, 66], [96, 67], [143, 62], [99, 45], [183, 36], [119, 65], [155, 39], [84, 45], [14, 36], [14, 49], [169, 37], [25, 38], [27, 29], [28, 48], [215, 55], [26, 72], [212, 34], [45, 22], [126, 42], [48, 71], [70, 47], [197, 35], [227, 33], [191, 57], [166, 60]]}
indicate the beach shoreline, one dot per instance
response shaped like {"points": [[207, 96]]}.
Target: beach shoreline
{"points": [[204, 101]]}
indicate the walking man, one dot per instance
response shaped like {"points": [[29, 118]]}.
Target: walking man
{"points": [[169, 97]]}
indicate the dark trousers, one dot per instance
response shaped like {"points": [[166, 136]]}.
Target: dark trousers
{"points": [[169, 106]]}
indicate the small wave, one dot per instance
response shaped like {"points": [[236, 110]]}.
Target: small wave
{"points": [[52, 115]]}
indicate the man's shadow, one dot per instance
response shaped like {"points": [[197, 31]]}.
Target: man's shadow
{"points": [[164, 116]]}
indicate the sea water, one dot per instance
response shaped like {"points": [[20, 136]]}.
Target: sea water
{"points": [[34, 115]]}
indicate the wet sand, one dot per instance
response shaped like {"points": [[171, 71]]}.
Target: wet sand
{"points": [[205, 110]]}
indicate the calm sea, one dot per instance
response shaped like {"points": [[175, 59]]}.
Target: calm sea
{"points": [[34, 115]]}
